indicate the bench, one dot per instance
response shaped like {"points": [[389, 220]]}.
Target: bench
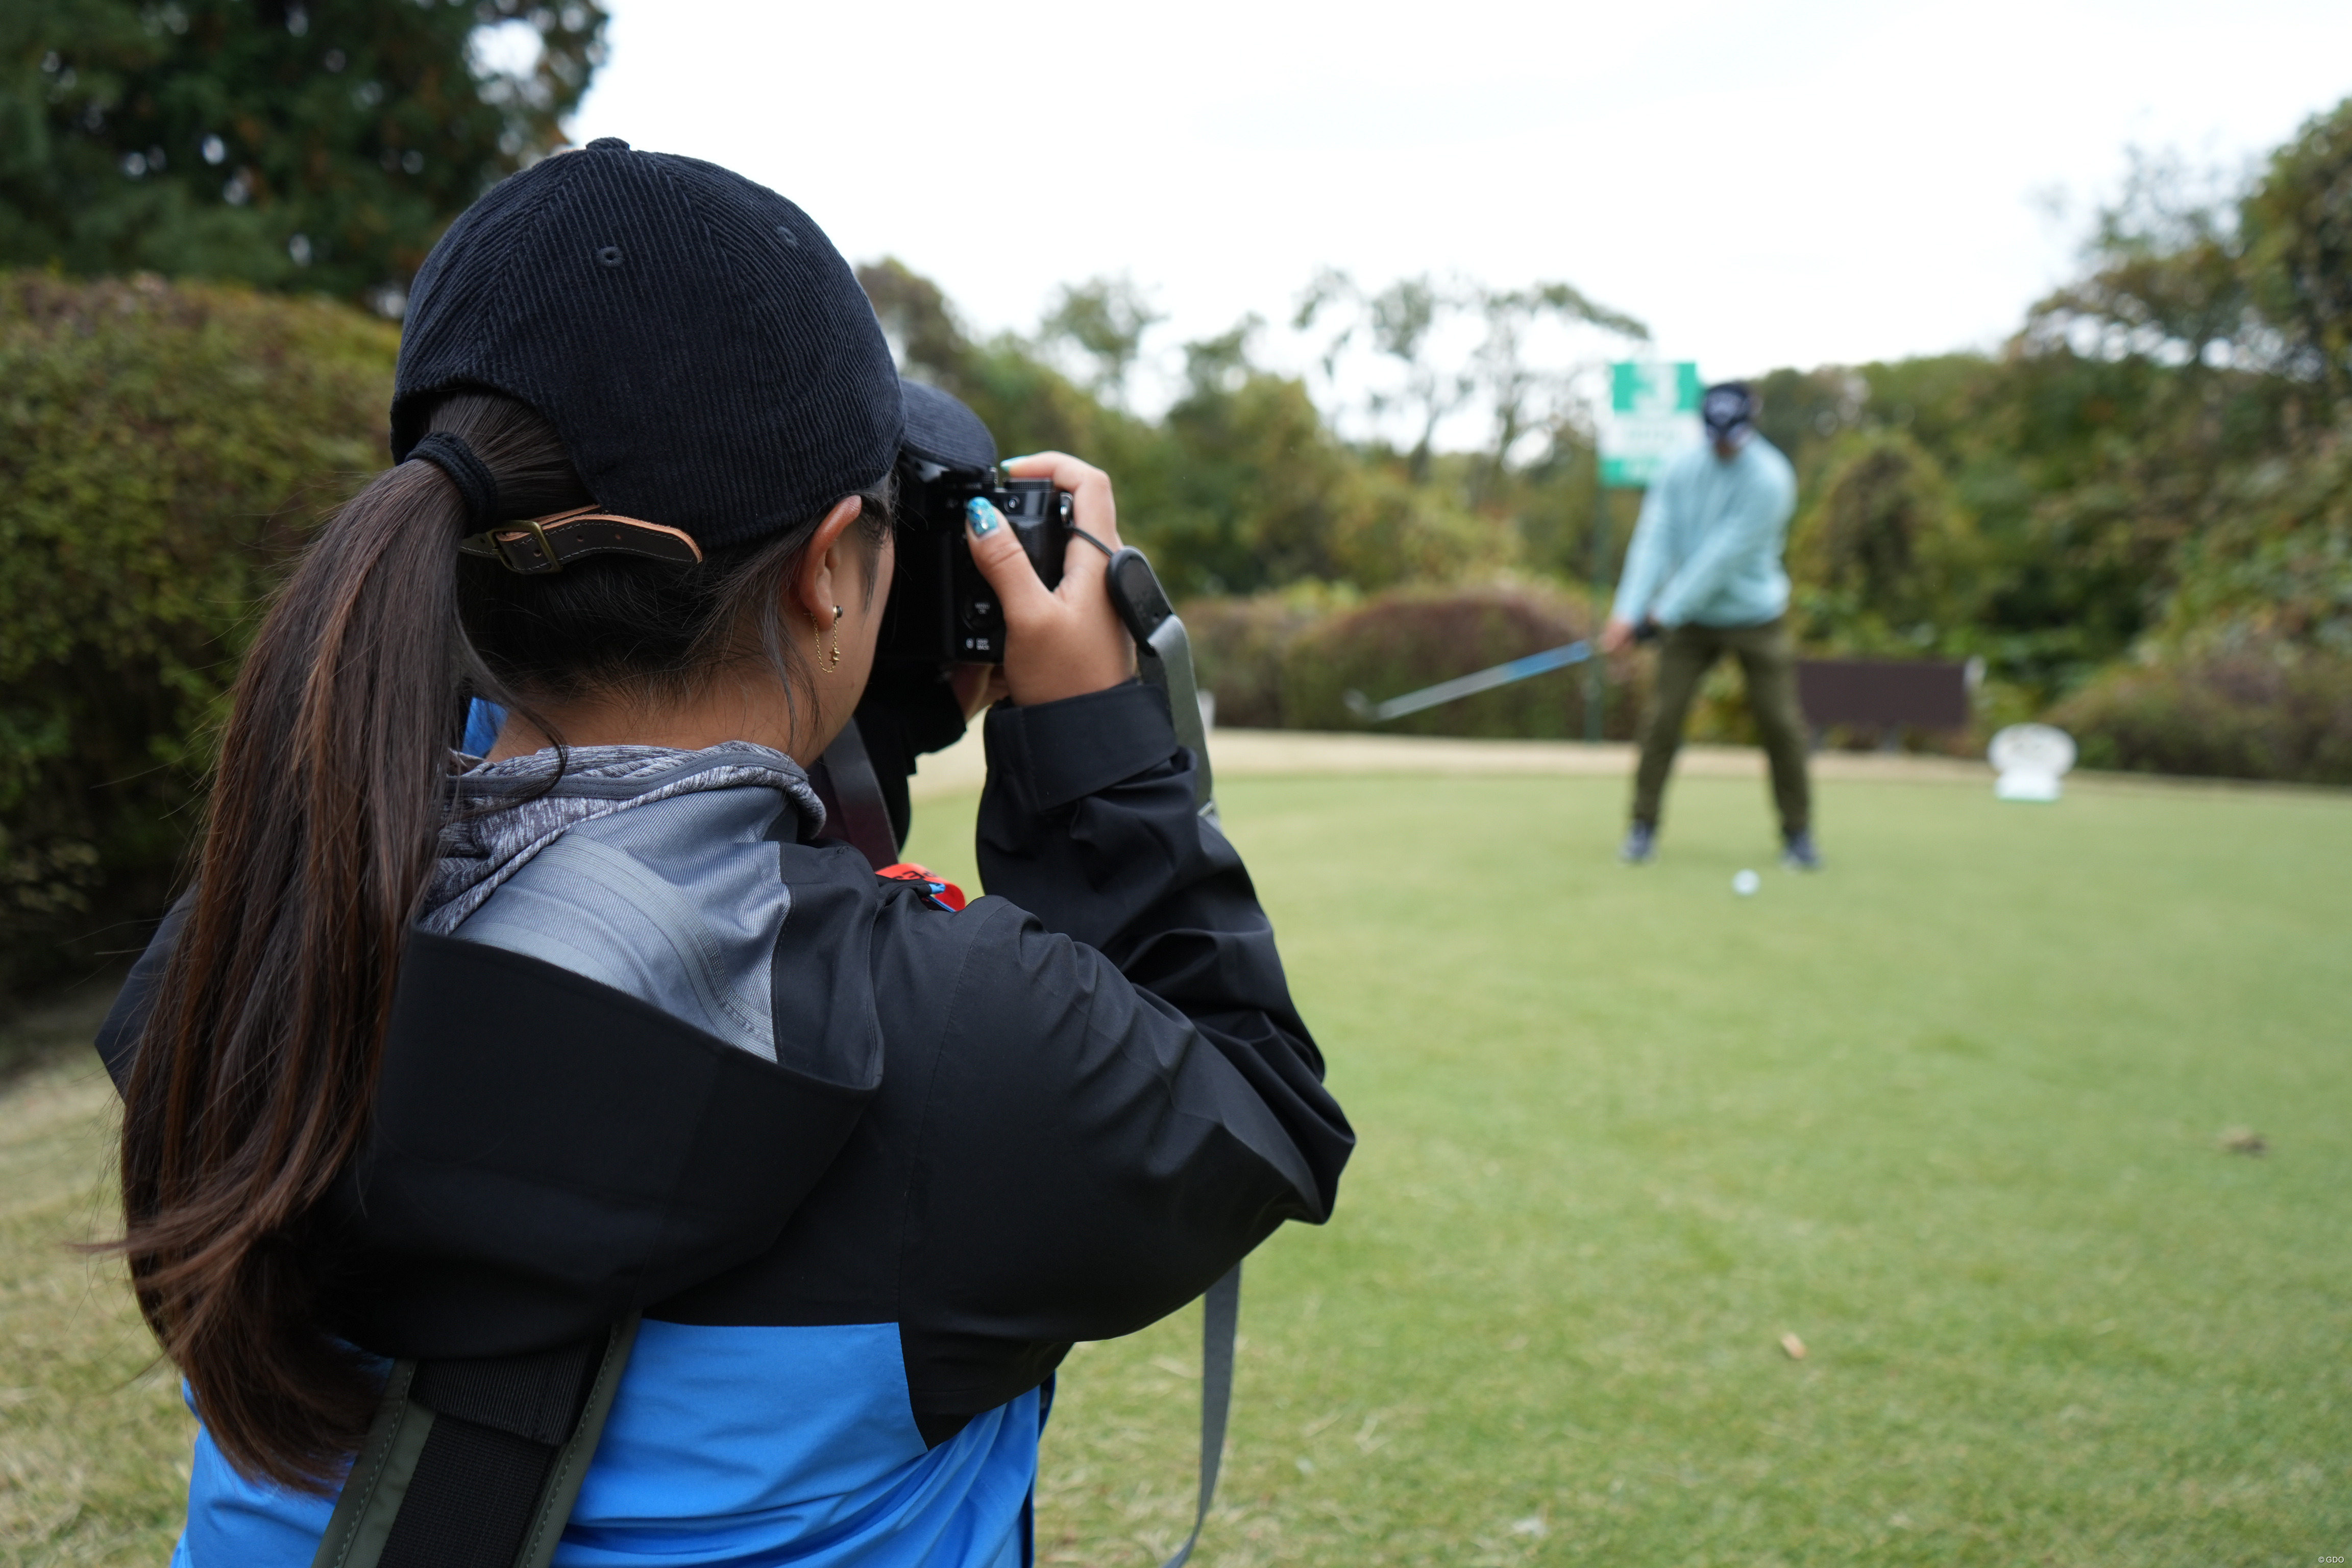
{"points": [[1887, 695]]}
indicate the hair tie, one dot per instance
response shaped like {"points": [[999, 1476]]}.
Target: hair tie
{"points": [[476, 484]]}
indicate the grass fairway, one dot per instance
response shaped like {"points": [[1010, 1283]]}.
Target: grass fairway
{"points": [[94, 1440], [1950, 1112]]}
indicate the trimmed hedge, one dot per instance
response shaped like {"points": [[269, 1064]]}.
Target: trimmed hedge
{"points": [[2251, 714], [162, 449], [1238, 646], [1280, 661]]}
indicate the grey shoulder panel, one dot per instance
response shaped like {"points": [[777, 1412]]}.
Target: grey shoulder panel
{"points": [[678, 902]]}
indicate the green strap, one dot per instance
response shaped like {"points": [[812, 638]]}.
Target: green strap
{"points": [[379, 1481], [378, 1485], [572, 1460], [371, 1496]]}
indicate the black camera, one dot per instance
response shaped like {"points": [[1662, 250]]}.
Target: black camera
{"points": [[941, 610]]}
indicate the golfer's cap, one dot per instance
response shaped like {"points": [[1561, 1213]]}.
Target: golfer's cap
{"points": [[1728, 410]]}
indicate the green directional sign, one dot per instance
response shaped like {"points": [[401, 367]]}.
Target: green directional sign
{"points": [[1652, 414]]}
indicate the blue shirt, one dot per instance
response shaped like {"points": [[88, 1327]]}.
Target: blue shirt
{"points": [[1708, 549]]}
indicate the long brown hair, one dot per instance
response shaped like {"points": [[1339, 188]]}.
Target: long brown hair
{"points": [[257, 1066]]}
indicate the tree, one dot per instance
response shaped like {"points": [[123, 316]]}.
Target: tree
{"points": [[2271, 568], [1400, 325], [1518, 389], [1243, 494], [1414, 322], [925, 337], [2164, 282], [1799, 411], [259, 142], [1884, 554], [1026, 404], [1105, 318], [2298, 227]]}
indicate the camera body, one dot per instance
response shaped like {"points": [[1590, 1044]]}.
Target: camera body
{"points": [[941, 610]]}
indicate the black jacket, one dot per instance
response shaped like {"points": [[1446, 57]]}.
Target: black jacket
{"points": [[1057, 1115]]}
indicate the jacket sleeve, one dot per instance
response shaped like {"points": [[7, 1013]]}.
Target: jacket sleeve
{"points": [[1125, 1101], [126, 1019], [1645, 561]]}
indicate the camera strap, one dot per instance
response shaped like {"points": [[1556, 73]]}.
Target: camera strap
{"points": [[856, 812], [1163, 658], [1219, 1325]]}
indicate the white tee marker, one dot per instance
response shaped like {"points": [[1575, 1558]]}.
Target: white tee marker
{"points": [[2031, 758]]}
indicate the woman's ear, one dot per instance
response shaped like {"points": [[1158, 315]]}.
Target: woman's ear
{"points": [[831, 569]]}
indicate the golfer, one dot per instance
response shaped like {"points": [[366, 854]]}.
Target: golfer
{"points": [[1704, 571], [449, 1066]]}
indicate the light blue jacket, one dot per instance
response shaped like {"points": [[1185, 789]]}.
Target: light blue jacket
{"points": [[1708, 549]]}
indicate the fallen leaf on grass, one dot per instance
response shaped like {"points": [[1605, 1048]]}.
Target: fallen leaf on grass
{"points": [[2244, 1140], [1794, 1346]]}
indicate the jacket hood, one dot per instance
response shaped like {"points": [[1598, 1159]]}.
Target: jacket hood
{"points": [[502, 814]]}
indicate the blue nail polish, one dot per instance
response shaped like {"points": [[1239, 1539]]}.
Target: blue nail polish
{"points": [[982, 517]]}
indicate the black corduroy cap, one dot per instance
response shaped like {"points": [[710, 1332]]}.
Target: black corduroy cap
{"points": [[705, 354]]}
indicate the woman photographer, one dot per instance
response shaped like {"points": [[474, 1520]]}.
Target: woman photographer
{"points": [[445, 1068]]}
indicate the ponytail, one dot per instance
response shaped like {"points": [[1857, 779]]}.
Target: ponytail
{"points": [[256, 1070], [257, 1067]]}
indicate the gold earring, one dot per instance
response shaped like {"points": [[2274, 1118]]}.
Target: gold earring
{"points": [[835, 662]]}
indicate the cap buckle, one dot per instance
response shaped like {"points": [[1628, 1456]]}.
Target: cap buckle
{"points": [[536, 530]]}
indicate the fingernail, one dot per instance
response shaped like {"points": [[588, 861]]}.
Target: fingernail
{"points": [[982, 517]]}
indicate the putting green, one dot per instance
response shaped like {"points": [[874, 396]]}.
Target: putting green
{"points": [[1951, 1113]]}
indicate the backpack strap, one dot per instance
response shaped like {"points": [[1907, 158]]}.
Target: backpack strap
{"points": [[485, 1476], [476, 1463]]}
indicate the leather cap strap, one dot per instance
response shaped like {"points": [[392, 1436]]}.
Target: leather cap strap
{"points": [[539, 546]]}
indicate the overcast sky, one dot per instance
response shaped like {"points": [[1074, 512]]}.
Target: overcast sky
{"points": [[1795, 184]]}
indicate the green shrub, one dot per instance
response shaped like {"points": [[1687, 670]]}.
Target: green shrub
{"points": [[2256, 714], [2273, 562], [1412, 637], [1388, 530], [1238, 646], [1887, 560], [162, 449]]}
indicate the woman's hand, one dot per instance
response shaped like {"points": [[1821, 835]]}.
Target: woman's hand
{"points": [[1065, 641]]}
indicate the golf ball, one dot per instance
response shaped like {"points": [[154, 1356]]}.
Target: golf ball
{"points": [[1746, 883]]}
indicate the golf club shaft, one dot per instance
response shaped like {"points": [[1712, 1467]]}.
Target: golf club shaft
{"points": [[1551, 659]]}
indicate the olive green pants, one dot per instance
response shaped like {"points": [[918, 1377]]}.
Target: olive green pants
{"points": [[1769, 660]]}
